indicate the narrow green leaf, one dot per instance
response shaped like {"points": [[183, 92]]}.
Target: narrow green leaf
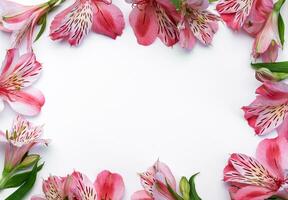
{"points": [[212, 1], [273, 67], [275, 198], [25, 187], [18, 179], [173, 193], [43, 24], [176, 3], [281, 29], [193, 193]]}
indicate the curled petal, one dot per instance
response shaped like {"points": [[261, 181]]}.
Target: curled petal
{"points": [[253, 193], [109, 186], [108, 20]]}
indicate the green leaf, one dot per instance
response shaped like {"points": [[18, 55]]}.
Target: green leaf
{"points": [[275, 198], [176, 3], [184, 188], [281, 67], [212, 1], [281, 29], [193, 193], [173, 193], [42, 22], [18, 179], [25, 187]]}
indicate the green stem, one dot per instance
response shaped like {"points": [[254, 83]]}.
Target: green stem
{"points": [[278, 5]]}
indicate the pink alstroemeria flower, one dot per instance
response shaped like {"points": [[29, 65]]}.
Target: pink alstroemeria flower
{"points": [[269, 110], [21, 20], [18, 73], [107, 186], [54, 188], [154, 18], [250, 15], [267, 41], [19, 141], [74, 23], [154, 183], [197, 22], [260, 178]]}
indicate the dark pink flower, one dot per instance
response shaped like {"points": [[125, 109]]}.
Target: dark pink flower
{"points": [[75, 22], [269, 110], [154, 18], [260, 178], [17, 74], [154, 183]]}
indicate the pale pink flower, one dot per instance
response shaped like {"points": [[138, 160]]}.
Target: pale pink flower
{"points": [[107, 186], [75, 22], [267, 41], [20, 21], [250, 15], [19, 141], [154, 18], [269, 111], [54, 188], [197, 22], [154, 183], [260, 178], [17, 74]]}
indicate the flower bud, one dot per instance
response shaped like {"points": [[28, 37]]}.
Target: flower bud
{"points": [[185, 188], [28, 161], [264, 74]]}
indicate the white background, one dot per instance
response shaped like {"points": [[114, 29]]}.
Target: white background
{"points": [[120, 106]]}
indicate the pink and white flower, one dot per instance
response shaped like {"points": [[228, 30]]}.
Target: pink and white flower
{"points": [[250, 15], [154, 18], [75, 22], [154, 182], [17, 74], [197, 22], [54, 188], [267, 41], [260, 178], [107, 186], [20, 21], [19, 141], [269, 111]]}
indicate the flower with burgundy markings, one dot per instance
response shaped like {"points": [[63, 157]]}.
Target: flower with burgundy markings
{"points": [[154, 18], [260, 178], [54, 188], [247, 14], [17, 74], [75, 22], [155, 182], [269, 111], [19, 141], [20, 20], [196, 22]]}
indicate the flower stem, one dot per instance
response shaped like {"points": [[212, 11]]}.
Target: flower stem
{"points": [[278, 5]]}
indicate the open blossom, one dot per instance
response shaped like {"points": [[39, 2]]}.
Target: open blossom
{"points": [[250, 15], [19, 141], [75, 22], [260, 178], [17, 74], [267, 42], [197, 22], [154, 18], [20, 21], [269, 110], [154, 183]]}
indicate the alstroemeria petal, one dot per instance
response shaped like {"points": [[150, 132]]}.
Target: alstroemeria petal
{"points": [[186, 38], [108, 20], [28, 102], [144, 24], [247, 170], [272, 153], [271, 54], [234, 12], [74, 23], [253, 193], [109, 186], [141, 195], [83, 187], [163, 169], [53, 188], [2, 105], [8, 66]]}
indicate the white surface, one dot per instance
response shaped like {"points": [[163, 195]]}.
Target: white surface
{"points": [[120, 106]]}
